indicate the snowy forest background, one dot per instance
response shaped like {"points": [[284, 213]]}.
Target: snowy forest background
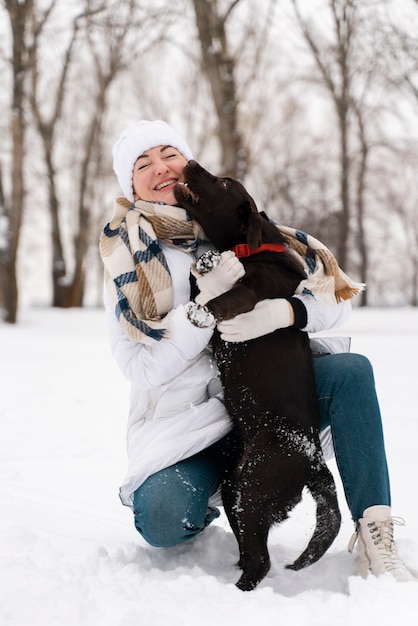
{"points": [[312, 104]]}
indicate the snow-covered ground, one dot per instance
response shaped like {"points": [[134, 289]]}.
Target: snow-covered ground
{"points": [[68, 552]]}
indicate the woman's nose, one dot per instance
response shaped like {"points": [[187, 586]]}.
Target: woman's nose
{"points": [[161, 167]]}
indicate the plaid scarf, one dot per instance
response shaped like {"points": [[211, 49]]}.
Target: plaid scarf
{"points": [[137, 276], [325, 278], [138, 279]]}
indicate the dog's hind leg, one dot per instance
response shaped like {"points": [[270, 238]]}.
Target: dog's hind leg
{"points": [[251, 528], [328, 518], [254, 557], [253, 570]]}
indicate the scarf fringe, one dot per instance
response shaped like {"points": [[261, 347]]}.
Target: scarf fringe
{"points": [[325, 279]]}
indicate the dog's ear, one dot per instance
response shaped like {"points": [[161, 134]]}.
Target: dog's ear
{"points": [[254, 225]]}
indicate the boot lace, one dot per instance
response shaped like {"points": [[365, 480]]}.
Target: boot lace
{"points": [[382, 536]]}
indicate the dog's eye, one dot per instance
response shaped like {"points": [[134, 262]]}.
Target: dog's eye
{"points": [[225, 183]]}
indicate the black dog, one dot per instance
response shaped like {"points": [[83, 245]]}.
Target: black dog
{"points": [[268, 382]]}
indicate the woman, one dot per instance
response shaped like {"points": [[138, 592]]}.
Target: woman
{"points": [[179, 441]]}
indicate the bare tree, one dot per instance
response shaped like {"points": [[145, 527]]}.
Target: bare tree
{"points": [[219, 66], [109, 50], [333, 61], [47, 124], [99, 35], [12, 204], [391, 71], [408, 211]]}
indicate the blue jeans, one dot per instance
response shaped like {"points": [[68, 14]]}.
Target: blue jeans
{"points": [[171, 506], [348, 403]]}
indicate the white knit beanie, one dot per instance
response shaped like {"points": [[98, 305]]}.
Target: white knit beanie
{"points": [[137, 139]]}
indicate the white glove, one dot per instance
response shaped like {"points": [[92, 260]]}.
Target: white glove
{"points": [[266, 316], [220, 279]]}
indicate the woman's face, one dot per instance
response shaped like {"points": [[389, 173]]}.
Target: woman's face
{"points": [[155, 174]]}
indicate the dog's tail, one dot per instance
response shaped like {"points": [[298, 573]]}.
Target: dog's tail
{"points": [[328, 517]]}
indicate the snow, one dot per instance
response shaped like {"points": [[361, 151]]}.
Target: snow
{"points": [[69, 552]]}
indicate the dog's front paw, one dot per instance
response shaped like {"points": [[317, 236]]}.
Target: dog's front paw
{"points": [[208, 261], [199, 315]]}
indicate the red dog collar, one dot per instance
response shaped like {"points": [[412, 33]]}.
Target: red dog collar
{"points": [[243, 249]]}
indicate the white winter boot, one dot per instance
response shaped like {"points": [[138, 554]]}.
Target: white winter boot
{"points": [[376, 551]]}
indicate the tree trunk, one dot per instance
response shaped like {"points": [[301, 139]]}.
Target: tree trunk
{"points": [[19, 15], [219, 67]]}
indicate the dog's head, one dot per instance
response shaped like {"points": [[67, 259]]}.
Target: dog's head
{"points": [[222, 206]]}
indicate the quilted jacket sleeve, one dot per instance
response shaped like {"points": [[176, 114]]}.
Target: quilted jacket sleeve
{"points": [[322, 315], [151, 366]]}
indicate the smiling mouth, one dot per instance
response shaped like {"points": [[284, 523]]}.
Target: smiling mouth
{"points": [[165, 184], [187, 192]]}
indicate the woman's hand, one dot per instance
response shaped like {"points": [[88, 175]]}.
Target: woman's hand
{"points": [[266, 317]]}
